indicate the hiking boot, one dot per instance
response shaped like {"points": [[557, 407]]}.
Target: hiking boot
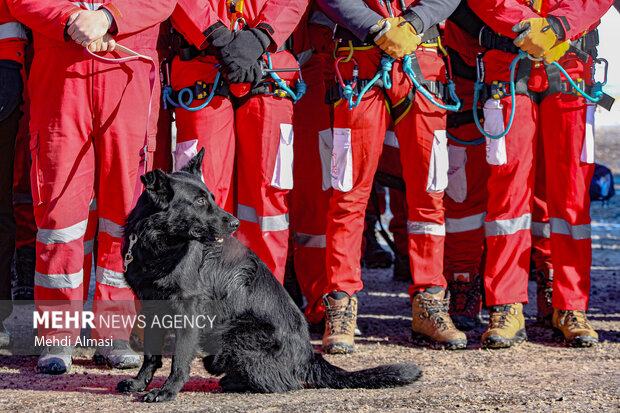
{"points": [[544, 291], [465, 301], [55, 360], [574, 328], [340, 321], [402, 270], [431, 321], [374, 256], [119, 355], [506, 326], [22, 274], [5, 337]]}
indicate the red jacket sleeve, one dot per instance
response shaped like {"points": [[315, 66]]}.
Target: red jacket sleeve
{"points": [[131, 16], [195, 20], [578, 16], [501, 15], [279, 18], [48, 17]]}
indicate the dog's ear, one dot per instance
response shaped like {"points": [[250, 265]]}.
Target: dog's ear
{"points": [[194, 166], [157, 185]]}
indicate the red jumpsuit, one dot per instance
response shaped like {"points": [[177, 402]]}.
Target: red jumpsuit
{"points": [[256, 136], [358, 142], [561, 121], [309, 198], [12, 42], [89, 123]]}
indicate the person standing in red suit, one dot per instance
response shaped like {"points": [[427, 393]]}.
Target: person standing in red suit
{"points": [[247, 123], [546, 109], [86, 148]]}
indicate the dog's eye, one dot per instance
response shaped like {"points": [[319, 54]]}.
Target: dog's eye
{"points": [[201, 201]]}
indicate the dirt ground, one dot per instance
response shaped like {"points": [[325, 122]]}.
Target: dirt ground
{"points": [[539, 375]]}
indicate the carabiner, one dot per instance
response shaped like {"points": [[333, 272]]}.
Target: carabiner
{"points": [[339, 75]]}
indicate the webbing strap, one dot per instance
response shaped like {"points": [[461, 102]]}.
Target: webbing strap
{"points": [[142, 167]]}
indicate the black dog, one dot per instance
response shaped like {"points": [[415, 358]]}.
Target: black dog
{"points": [[181, 251]]}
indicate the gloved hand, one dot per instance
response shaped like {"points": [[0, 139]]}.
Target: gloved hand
{"points": [[239, 58], [11, 87], [538, 35], [395, 36], [556, 52]]}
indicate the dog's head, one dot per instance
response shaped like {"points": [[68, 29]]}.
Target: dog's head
{"points": [[187, 204]]}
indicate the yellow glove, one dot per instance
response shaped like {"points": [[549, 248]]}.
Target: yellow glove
{"points": [[536, 36], [556, 52], [395, 36]]}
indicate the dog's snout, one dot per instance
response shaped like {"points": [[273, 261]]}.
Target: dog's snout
{"points": [[234, 224]]}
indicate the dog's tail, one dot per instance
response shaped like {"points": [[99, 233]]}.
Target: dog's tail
{"points": [[323, 374]]}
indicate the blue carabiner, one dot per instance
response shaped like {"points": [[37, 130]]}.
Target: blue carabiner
{"points": [[419, 88], [478, 87]]}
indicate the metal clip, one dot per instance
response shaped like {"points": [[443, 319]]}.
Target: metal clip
{"points": [[133, 238]]}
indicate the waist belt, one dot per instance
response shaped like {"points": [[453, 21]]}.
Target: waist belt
{"points": [[343, 35], [466, 117], [264, 88], [200, 91], [491, 40]]}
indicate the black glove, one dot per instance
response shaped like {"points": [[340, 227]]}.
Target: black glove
{"points": [[239, 57], [11, 87]]}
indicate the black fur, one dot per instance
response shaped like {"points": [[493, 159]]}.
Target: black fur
{"points": [[185, 255]]}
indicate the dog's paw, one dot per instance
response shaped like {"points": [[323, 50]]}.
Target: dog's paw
{"points": [[130, 385], [158, 395]]}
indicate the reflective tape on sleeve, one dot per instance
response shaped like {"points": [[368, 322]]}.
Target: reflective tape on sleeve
{"points": [[576, 232], [469, 223], [508, 226], [428, 228], [61, 235], [58, 281], [272, 223]]}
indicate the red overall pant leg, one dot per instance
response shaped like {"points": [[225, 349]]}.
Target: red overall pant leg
{"points": [[309, 199], [211, 127], [390, 163], [264, 176], [510, 188], [563, 129], [77, 153], [466, 197], [541, 229], [422, 139], [26, 228], [361, 132]]}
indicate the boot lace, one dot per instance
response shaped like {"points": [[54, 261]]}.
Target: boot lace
{"points": [[499, 317], [437, 312], [340, 319], [577, 320], [466, 297]]}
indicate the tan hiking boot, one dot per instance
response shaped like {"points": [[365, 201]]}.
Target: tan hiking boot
{"points": [[506, 326], [432, 323], [574, 328], [340, 321], [544, 291]]}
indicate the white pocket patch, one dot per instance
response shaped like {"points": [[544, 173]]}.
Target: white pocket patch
{"points": [[326, 146], [494, 125], [342, 160], [457, 178], [184, 152], [438, 167], [283, 170], [587, 151]]}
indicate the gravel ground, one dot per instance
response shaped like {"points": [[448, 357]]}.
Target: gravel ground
{"points": [[536, 376]]}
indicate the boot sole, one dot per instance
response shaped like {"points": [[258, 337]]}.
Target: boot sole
{"points": [[579, 341], [338, 348], [54, 370], [497, 342], [422, 340]]}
